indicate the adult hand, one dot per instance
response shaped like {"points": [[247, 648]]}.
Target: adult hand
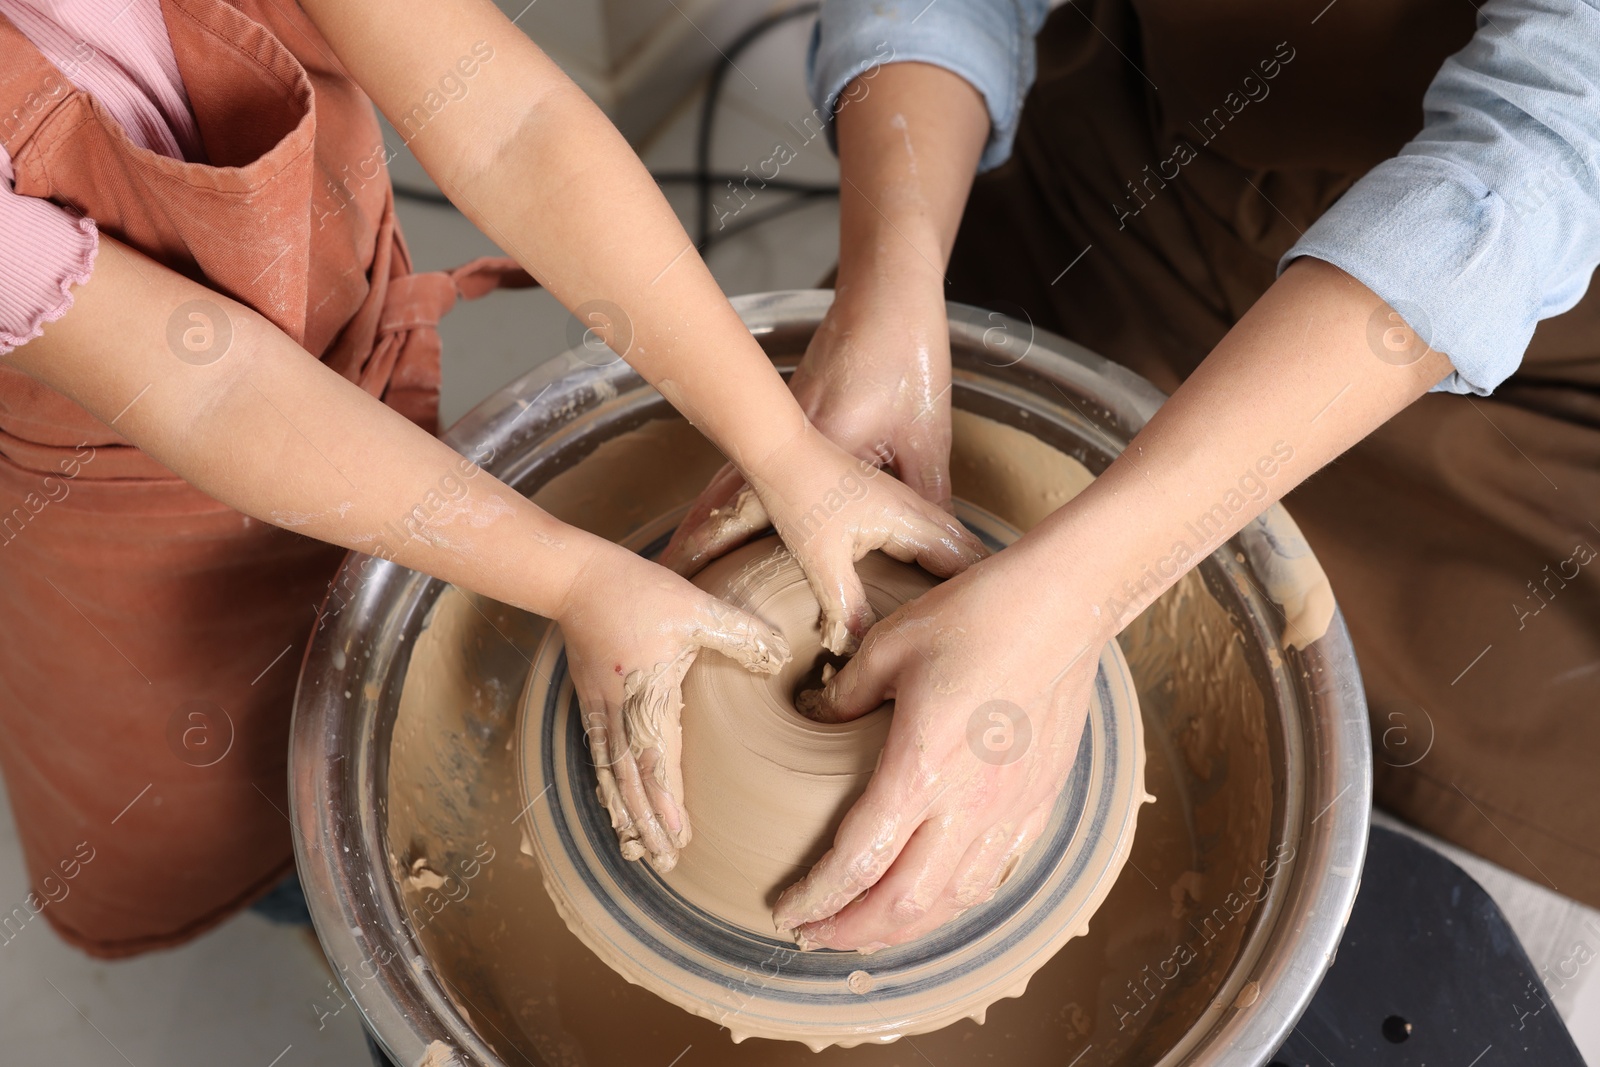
{"points": [[876, 376], [876, 381], [632, 630], [986, 727], [831, 510], [938, 825]]}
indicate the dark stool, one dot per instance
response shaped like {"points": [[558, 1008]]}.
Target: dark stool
{"points": [[1428, 972]]}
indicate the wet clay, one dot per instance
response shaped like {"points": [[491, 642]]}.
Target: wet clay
{"points": [[1149, 966], [1292, 578], [765, 786], [768, 789]]}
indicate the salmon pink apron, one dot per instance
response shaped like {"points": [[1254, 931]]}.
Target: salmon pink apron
{"points": [[151, 634]]}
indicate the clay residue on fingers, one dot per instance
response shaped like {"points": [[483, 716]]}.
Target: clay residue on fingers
{"points": [[724, 527], [942, 548], [609, 792], [747, 645], [544, 987], [652, 703], [839, 636], [997, 854], [842, 627], [817, 898]]}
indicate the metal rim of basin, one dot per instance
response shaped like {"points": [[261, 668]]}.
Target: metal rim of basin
{"points": [[346, 702]]}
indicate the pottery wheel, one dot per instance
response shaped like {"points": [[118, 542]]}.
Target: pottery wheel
{"points": [[765, 790]]}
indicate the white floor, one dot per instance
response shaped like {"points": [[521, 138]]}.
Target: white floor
{"points": [[246, 995], [242, 995]]}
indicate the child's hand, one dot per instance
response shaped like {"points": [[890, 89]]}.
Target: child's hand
{"points": [[831, 510], [632, 629]]}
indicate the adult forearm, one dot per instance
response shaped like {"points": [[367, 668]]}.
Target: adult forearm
{"points": [[1295, 383], [909, 137], [263, 426]]}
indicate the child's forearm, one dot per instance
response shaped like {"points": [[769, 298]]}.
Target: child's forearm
{"points": [[271, 431], [542, 172]]}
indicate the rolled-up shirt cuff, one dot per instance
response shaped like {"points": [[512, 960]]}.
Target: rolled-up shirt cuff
{"points": [[45, 250], [990, 45], [1466, 271]]}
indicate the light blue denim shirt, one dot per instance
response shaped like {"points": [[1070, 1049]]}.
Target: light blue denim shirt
{"points": [[1486, 223], [987, 42]]}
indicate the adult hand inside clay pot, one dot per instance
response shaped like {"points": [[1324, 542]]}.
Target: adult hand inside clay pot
{"points": [[985, 731], [875, 378], [1026, 627]]}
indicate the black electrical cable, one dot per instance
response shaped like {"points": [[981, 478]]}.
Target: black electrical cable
{"points": [[782, 185], [794, 203], [702, 177], [433, 196], [424, 196], [708, 116]]}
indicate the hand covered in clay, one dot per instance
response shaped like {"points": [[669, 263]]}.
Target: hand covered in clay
{"points": [[875, 381], [632, 629], [985, 731], [831, 510]]}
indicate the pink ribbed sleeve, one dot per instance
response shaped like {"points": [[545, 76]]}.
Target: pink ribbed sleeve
{"points": [[118, 51], [44, 252]]}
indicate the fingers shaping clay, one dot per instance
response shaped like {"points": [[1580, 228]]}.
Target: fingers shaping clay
{"points": [[1162, 952], [766, 789], [765, 785]]}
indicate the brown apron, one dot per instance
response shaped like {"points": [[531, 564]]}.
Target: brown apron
{"points": [[153, 635], [1461, 537]]}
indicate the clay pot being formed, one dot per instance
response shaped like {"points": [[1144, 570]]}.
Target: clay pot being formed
{"points": [[766, 788], [409, 742]]}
